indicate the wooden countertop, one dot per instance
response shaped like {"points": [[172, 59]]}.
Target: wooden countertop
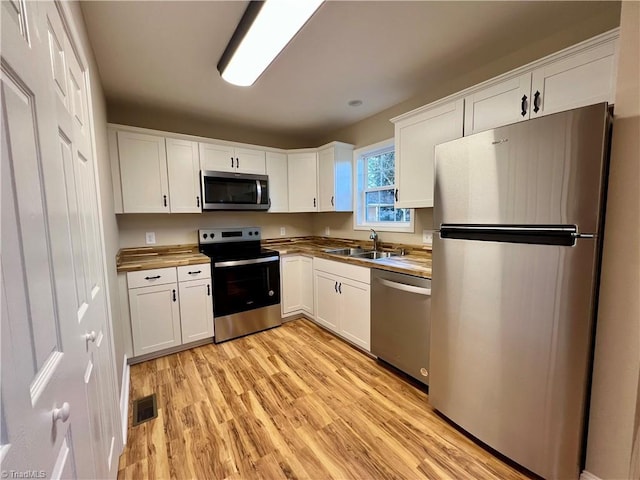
{"points": [[416, 262], [145, 258]]}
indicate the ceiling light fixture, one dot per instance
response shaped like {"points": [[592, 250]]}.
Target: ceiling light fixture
{"points": [[264, 30], [355, 103]]}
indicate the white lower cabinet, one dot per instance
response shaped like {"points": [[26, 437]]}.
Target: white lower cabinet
{"points": [[196, 310], [296, 274], [342, 300], [166, 311]]}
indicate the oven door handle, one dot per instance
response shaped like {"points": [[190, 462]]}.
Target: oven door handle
{"points": [[251, 261]]}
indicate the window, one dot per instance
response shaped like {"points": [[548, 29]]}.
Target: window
{"points": [[375, 190]]}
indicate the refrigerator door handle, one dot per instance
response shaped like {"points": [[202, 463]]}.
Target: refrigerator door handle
{"points": [[562, 235]]}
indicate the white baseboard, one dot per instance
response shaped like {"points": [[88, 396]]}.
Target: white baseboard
{"points": [[124, 399], [588, 476]]}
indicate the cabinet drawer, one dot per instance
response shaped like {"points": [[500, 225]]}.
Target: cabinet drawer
{"points": [[156, 276], [194, 272]]}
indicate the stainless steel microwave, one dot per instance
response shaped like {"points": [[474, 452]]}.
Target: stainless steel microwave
{"points": [[234, 191]]}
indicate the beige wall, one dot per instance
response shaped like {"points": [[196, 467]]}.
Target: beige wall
{"points": [[109, 226], [183, 228], [615, 407]]}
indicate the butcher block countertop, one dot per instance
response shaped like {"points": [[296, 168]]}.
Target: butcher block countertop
{"points": [[145, 258], [417, 260]]}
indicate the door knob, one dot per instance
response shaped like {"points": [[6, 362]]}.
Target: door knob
{"points": [[91, 336], [61, 413]]}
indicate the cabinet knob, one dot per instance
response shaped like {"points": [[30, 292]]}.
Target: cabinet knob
{"points": [[195, 272], [61, 413], [164, 199], [336, 287], [197, 201], [536, 102], [314, 201], [237, 163], [152, 278], [208, 290], [91, 336], [332, 204], [523, 105], [396, 195], [340, 288], [174, 295], [231, 162]]}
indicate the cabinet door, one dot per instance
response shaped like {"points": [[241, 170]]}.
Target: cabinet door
{"points": [[416, 138], [196, 310], [278, 190], [183, 165], [155, 318], [497, 105], [291, 285], [249, 160], [326, 180], [581, 79], [302, 182], [219, 158], [355, 312], [143, 173], [326, 300], [306, 282]]}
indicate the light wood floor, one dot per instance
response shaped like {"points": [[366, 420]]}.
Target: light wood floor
{"points": [[292, 402]]}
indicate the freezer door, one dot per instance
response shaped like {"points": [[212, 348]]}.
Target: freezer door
{"points": [[510, 346], [546, 171]]}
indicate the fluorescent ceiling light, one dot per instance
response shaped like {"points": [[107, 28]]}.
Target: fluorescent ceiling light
{"points": [[264, 30]]}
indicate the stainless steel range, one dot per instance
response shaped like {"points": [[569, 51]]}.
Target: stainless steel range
{"points": [[246, 281]]}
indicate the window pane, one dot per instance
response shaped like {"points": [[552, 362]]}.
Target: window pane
{"points": [[380, 170]]}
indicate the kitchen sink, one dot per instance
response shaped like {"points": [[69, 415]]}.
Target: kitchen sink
{"points": [[374, 255], [346, 251]]}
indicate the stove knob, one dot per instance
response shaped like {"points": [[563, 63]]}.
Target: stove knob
{"points": [[204, 235], [255, 233], [271, 293], [250, 233], [213, 235]]}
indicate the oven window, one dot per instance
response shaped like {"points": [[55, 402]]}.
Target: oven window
{"points": [[242, 288], [230, 190]]}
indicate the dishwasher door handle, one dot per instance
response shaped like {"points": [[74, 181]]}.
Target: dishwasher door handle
{"points": [[406, 288]]}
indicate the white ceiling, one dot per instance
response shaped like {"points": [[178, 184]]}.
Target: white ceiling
{"points": [[164, 55]]}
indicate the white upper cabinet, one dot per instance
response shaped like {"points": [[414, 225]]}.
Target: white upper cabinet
{"points": [[278, 182], [500, 104], [584, 78], [183, 166], [335, 178], [225, 158], [416, 135], [303, 181], [143, 173]]}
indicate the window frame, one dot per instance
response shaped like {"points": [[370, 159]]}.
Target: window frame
{"points": [[359, 215]]}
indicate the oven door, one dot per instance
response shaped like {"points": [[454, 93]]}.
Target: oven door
{"points": [[234, 191], [241, 285]]}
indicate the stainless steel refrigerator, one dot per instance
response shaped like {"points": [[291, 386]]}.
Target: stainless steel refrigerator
{"points": [[515, 274]]}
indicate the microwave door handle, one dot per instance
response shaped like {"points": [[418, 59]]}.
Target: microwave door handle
{"points": [[259, 192]]}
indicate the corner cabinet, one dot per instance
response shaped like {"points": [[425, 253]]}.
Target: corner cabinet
{"points": [[416, 135], [342, 300], [303, 181], [335, 178], [169, 307]]}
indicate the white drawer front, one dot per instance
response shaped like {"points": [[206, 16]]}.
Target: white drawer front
{"points": [[156, 276], [194, 272]]}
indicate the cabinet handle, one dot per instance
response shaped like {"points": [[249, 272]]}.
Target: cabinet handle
{"points": [[523, 105], [164, 198], [197, 201], [536, 102], [152, 278], [174, 295], [208, 290], [396, 194], [332, 201], [336, 287], [195, 272], [340, 288], [237, 163], [314, 201], [269, 202], [231, 162]]}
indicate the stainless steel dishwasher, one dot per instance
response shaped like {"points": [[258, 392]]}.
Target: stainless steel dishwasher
{"points": [[401, 321]]}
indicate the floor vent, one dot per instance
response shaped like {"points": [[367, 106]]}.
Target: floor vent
{"points": [[144, 409]]}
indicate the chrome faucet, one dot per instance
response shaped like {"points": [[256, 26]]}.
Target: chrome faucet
{"points": [[374, 237]]}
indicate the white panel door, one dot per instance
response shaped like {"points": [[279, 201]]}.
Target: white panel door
{"points": [[327, 300], [499, 104], [416, 138], [196, 310], [143, 173], [326, 180], [581, 79], [52, 279], [306, 285], [278, 185], [218, 158], [155, 318], [183, 167], [355, 312], [303, 182], [250, 160], [291, 285]]}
